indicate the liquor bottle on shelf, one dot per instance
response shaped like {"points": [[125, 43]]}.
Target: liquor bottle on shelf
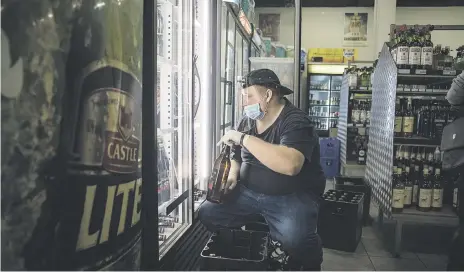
{"points": [[362, 154], [362, 113], [408, 120], [219, 175], [408, 187], [437, 193], [416, 184], [394, 46], [427, 52], [398, 192], [398, 119], [402, 59], [456, 195], [355, 113], [425, 192], [415, 49]]}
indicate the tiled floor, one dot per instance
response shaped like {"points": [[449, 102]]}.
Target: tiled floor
{"points": [[371, 255]]}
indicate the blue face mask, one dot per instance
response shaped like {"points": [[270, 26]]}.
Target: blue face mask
{"points": [[254, 111]]}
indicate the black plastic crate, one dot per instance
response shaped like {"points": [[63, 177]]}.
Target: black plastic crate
{"points": [[357, 185], [235, 250], [340, 219]]}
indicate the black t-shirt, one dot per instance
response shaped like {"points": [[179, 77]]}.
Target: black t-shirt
{"points": [[292, 129]]}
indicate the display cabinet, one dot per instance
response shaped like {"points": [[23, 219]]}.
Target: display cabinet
{"points": [[235, 47], [175, 120]]}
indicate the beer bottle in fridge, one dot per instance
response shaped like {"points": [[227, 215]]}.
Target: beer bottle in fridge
{"points": [[100, 223], [219, 175]]}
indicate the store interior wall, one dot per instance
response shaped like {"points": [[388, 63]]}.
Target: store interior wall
{"points": [[323, 27]]}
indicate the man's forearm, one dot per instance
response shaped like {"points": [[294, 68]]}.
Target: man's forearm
{"points": [[278, 158]]}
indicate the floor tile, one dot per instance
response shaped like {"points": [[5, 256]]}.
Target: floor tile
{"points": [[369, 232], [434, 262], [375, 248], [360, 250], [343, 262], [395, 264]]}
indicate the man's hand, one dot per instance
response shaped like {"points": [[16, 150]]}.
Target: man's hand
{"points": [[230, 185], [232, 137]]}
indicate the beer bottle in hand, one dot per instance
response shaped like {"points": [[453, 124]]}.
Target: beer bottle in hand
{"points": [[219, 175]]}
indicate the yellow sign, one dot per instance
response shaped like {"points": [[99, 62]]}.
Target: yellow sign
{"points": [[333, 55]]}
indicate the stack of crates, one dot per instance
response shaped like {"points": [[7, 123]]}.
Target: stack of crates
{"points": [[330, 156], [341, 219], [236, 250]]}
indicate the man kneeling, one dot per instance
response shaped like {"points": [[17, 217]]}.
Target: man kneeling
{"points": [[275, 165]]}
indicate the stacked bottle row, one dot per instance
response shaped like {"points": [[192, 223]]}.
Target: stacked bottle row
{"points": [[165, 224], [320, 124], [418, 180], [412, 48], [359, 78], [333, 101], [422, 118], [359, 112]]}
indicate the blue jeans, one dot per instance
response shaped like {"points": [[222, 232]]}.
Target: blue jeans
{"points": [[292, 220]]}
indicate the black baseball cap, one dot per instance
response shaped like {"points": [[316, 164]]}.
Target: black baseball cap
{"points": [[265, 77]]}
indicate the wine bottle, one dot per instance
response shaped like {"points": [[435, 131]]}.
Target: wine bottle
{"points": [[408, 120], [408, 187], [219, 175], [417, 182], [437, 193], [398, 119], [425, 193], [427, 52], [398, 192]]}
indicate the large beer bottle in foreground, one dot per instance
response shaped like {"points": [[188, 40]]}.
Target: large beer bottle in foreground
{"points": [[101, 140], [219, 175]]}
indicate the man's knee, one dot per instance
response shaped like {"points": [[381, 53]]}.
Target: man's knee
{"points": [[206, 215]]}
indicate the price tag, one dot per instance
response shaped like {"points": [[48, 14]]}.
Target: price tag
{"points": [[449, 72], [404, 71], [421, 72]]}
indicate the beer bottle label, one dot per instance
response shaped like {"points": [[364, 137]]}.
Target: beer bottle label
{"points": [[425, 198], [109, 130], [415, 55], [408, 124], [427, 55], [403, 55], [398, 198], [407, 195], [437, 200]]}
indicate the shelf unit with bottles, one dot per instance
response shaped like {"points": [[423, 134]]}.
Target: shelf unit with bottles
{"points": [[418, 135], [391, 106], [353, 132]]}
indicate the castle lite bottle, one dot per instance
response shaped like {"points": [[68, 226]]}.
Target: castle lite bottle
{"points": [[100, 224], [219, 175]]}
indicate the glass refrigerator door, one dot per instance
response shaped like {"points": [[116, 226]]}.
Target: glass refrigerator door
{"points": [[175, 120], [240, 71], [319, 101], [228, 75], [334, 110]]}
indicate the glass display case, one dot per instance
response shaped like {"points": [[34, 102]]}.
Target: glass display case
{"points": [[324, 100], [175, 120]]}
